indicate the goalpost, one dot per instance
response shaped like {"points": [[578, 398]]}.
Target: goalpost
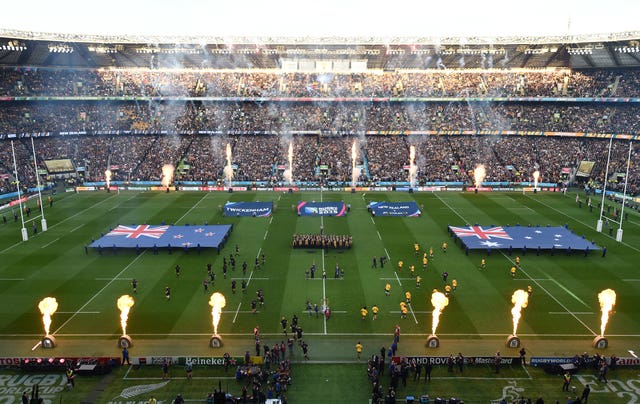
{"points": [[620, 218]]}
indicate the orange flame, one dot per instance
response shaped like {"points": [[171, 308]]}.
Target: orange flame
{"points": [[607, 299], [125, 302], [228, 170], [107, 177], [47, 307], [439, 301], [355, 172], [217, 302], [536, 178], [167, 174], [478, 175], [413, 168], [520, 300], [288, 173]]}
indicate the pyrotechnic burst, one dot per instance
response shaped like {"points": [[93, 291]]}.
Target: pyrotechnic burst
{"points": [[413, 168], [536, 178], [288, 173], [125, 302], [217, 302], [107, 177], [167, 174], [478, 175], [228, 170], [439, 301], [607, 299], [355, 172], [47, 307], [520, 300]]}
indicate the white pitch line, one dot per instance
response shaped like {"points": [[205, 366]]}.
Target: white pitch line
{"points": [[79, 312], [388, 256], [76, 228], [379, 235], [49, 243], [392, 279], [373, 221], [250, 277], [324, 293], [265, 234], [271, 220], [399, 283], [112, 279], [255, 279], [532, 279], [575, 312], [237, 311], [98, 292], [192, 208], [413, 314]]}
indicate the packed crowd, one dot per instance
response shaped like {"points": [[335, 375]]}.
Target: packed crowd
{"points": [[324, 159], [28, 81]]}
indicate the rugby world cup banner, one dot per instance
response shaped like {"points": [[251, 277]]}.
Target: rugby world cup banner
{"points": [[394, 209], [321, 208], [255, 209]]}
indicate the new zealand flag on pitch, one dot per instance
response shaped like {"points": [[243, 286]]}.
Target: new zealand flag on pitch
{"points": [[148, 236], [532, 238]]}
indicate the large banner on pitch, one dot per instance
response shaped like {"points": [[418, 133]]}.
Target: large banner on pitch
{"points": [[321, 208], [394, 209], [254, 209]]}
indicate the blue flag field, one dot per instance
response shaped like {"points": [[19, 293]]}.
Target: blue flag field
{"points": [[148, 236], [521, 237]]}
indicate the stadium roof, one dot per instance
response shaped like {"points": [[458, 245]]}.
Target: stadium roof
{"points": [[263, 34]]}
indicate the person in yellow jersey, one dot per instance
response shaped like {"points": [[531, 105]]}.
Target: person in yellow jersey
{"points": [[387, 289], [444, 247], [431, 252], [407, 296], [483, 264], [412, 269], [425, 261], [447, 290], [454, 285], [358, 350], [418, 281], [400, 265], [403, 310], [529, 289], [364, 312], [517, 260], [513, 272], [374, 311], [416, 248]]}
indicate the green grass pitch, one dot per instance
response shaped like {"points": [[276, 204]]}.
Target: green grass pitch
{"points": [[563, 314]]}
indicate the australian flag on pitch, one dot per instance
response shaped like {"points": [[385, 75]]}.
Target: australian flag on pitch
{"points": [[538, 237]]}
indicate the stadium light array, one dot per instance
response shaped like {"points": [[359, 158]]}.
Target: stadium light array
{"points": [[60, 48], [15, 46], [627, 49], [580, 51]]}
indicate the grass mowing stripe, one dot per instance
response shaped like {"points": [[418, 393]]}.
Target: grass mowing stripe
{"points": [[192, 208], [49, 243], [98, 292]]}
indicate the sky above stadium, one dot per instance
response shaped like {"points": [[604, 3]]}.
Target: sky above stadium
{"points": [[346, 18]]}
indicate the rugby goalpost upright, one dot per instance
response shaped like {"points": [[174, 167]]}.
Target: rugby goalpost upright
{"points": [[23, 230], [619, 220]]}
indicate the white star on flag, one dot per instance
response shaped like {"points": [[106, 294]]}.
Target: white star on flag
{"points": [[491, 243], [178, 236], [557, 235], [557, 245], [199, 230], [209, 234], [528, 237], [538, 232], [187, 244]]}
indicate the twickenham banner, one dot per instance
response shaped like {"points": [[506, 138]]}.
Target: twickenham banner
{"points": [[321, 208], [255, 209], [394, 209]]}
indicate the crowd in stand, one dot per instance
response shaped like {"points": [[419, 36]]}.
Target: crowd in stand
{"points": [[136, 138], [318, 159], [435, 83]]}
